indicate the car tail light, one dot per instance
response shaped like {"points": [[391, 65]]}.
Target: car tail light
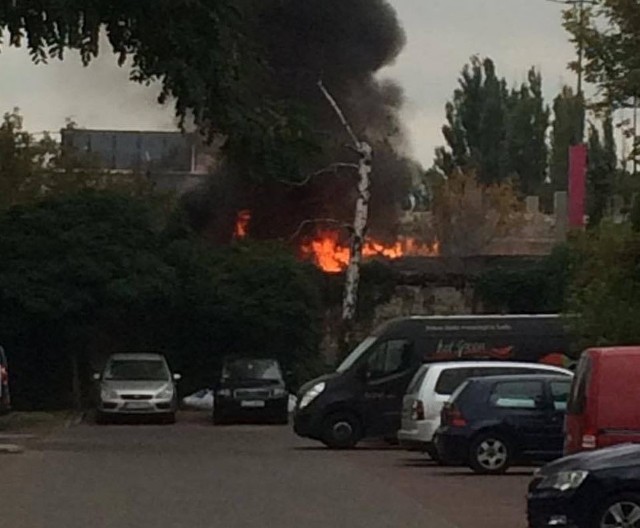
{"points": [[452, 416], [4, 375], [417, 410]]}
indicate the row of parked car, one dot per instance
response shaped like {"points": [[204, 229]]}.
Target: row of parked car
{"points": [[143, 384], [492, 414]]}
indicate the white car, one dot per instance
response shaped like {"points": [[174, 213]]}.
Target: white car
{"points": [[432, 386]]}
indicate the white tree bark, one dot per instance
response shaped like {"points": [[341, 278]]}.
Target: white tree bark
{"points": [[365, 153], [350, 300]]}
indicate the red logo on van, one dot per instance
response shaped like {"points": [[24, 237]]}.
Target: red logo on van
{"points": [[463, 349]]}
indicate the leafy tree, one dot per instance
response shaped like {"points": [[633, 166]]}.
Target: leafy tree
{"points": [[31, 169], [567, 130], [538, 287], [475, 123], [605, 289], [89, 274], [609, 33], [468, 215], [496, 132], [527, 121], [602, 170]]}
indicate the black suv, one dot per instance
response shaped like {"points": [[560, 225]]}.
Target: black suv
{"points": [[492, 422], [251, 390]]}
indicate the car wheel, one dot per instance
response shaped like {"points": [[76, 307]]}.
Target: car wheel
{"points": [[620, 511], [341, 431], [101, 418], [490, 454]]}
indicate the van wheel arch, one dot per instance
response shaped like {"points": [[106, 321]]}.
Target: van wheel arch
{"points": [[345, 437]]}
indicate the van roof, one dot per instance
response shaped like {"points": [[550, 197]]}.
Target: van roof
{"points": [[489, 363], [622, 351], [518, 377], [136, 356]]}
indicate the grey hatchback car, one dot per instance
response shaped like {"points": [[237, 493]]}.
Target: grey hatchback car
{"points": [[137, 384]]}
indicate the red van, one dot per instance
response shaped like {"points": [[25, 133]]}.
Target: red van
{"points": [[604, 403]]}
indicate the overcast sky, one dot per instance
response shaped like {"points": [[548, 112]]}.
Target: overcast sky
{"points": [[442, 35]]}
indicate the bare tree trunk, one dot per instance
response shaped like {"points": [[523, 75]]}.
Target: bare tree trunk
{"points": [[365, 153], [360, 222]]}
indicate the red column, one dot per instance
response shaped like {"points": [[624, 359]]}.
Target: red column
{"points": [[577, 185]]}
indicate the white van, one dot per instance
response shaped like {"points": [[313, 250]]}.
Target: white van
{"points": [[434, 383]]}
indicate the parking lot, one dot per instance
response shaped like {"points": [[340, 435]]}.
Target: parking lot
{"points": [[195, 475]]}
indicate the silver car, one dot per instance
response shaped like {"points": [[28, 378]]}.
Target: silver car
{"points": [[137, 384]]}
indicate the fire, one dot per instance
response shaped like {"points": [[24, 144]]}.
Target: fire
{"points": [[331, 255], [243, 219]]}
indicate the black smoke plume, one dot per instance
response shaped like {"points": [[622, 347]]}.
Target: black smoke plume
{"points": [[344, 43]]}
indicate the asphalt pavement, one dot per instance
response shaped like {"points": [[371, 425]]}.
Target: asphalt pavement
{"points": [[195, 475]]}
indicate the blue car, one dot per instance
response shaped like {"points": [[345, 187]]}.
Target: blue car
{"points": [[490, 423]]}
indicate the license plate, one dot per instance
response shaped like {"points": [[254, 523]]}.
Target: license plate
{"points": [[136, 405], [252, 403]]}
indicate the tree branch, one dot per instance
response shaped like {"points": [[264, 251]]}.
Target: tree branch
{"points": [[304, 223], [340, 114], [330, 168]]}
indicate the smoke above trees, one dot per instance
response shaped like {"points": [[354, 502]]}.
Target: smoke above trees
{"points": [[344, 43]]}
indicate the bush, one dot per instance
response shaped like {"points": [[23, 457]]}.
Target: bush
{"points": [[87, 275]]}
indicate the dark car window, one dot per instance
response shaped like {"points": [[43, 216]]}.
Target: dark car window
{"points": [[560, 394], [390, 357], [136, 370], [252, 369], [450, 379], [578, 394], [517, 394]]}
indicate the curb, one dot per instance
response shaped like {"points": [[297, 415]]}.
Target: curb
{"points": [[11, 449]]}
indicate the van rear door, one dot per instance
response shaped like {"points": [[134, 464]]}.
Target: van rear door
{"points": [[618, 399], [576, 422]]}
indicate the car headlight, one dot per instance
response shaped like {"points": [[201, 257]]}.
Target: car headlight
{"points": [[166, 393], [224, 393], [564, 481], [312, 394], [279, 392], [108, 394]]}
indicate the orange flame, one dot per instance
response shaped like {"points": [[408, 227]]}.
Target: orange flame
{"points": [[243, 219], [332, 256]]}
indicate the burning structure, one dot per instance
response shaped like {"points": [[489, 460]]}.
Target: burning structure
{"points": [[344, 43]]}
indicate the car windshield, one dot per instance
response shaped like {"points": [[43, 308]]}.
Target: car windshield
{"points": [[136, 370], [252, 369], [356, 354]]}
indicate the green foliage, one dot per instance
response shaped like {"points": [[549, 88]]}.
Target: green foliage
{"points": [[610, 35], [605, 289], [32, 169], [537, 288], [602, 170], [496, 132], [568, 129], [85, 275]]}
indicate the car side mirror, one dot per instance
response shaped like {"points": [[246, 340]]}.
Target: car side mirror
{"points": [[177, 377], [96, 376]]}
